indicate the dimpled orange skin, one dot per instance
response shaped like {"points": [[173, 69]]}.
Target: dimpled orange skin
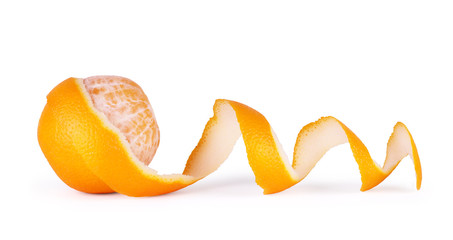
{"points": [[264, 159], [68, 132]]}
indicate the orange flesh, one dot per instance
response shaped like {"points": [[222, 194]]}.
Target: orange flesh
{"points": [[126, 106], [88, 132]]}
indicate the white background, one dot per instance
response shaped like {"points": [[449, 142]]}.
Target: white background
{"points": [[368, 63]]}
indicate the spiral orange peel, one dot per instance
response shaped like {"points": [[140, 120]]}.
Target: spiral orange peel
{"points": [[91, 154]]}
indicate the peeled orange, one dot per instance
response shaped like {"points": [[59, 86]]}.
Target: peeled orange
{"points": [[100, 133]]}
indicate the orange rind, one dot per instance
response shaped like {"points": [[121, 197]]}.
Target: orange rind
{"points": [[100, 133]]}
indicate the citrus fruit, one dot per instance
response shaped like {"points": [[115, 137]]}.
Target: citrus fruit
{"points": [[100, 133]]}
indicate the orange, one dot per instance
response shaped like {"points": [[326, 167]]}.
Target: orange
{"points": [[100, 133]]}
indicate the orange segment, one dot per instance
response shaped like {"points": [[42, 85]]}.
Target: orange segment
{"points": [[99, 134]]}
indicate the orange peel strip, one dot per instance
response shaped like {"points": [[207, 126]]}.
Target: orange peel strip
{"points": [[103, 162]]}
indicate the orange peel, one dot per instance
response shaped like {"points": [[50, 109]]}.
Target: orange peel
{"points": [[90, 153]]}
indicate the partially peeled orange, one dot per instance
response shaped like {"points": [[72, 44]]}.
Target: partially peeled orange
{"points": [[100, 133]]}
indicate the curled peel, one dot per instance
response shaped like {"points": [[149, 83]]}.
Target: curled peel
{"points": [[97, 158]]}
